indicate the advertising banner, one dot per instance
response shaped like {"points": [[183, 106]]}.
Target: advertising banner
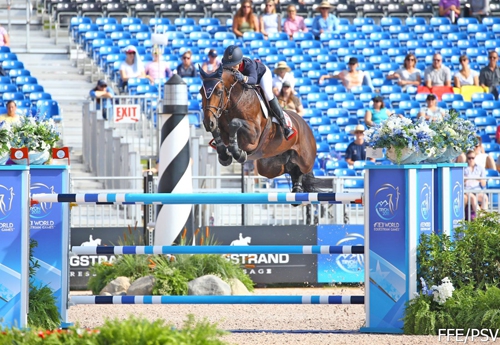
{"points": [[449, 197], [49, 226], [425, 201], [14, 246], [271, 268], [343, 268], [387, 247], [80, 264], [456, 188]]}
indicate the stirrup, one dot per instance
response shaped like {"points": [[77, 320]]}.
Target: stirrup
{"points": [[291, 134]]}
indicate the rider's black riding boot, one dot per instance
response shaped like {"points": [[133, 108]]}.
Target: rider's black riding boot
{"points": [[278, 112]]}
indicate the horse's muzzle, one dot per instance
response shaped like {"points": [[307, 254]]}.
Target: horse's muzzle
{"points": [[209, 124]]}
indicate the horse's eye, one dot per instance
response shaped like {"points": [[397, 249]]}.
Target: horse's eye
{"points": [[219, 92]]}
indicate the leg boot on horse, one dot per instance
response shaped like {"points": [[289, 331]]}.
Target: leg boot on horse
{"points": [[278, 112]]}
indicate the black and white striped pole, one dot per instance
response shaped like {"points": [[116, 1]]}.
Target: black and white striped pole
{"points": [[174, 166]]}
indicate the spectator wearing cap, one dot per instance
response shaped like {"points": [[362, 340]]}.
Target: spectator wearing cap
{"points": [[288, 100], [212, 64], [186, 68], [431, 112], [325, 21], [356, 151], [293, 22], [132, 67], [378, 113], [157, 68], [489, 76], [351, 77], [245, 20], [102, 94], [450, 9], [408, 74], [466, 75], [437, 74], [270, 21], [282, 73]]}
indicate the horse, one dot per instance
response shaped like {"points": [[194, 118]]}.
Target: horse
{"points": [[233, 113]]}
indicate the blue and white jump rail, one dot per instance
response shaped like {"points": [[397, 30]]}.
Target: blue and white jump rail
{"points": [[202, 198], [134, 250], [74, 300]]}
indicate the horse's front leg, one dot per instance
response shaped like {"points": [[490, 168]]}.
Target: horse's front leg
{"points": [[225, 158], [234, 149]]}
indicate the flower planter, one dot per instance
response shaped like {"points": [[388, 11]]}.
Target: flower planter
{"points": [[4, 158], [447, 156], [408, 156], [36, 158]]}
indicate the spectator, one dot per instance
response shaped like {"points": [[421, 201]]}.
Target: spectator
{"points": [[253, 72], [466, 75], [349, 78], [432, 112], [270, 21], [483, 159], [157, 68], [212, 64], [450, 9], [478, 8], [282, 74], [12, 116], [325, 22], [377, 114], [288, 100], [437, 74], [475, 170], [408, 74], [245, 20], [356, 151], [101, 95], [4, 37], [132, 67], [186, 68], [489, 76], [293, 22]]}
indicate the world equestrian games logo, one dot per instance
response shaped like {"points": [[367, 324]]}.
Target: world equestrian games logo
{"points": [[425, 201], [6, 201], [42, 209], [351, 263], [387, 201], [457, 197]]}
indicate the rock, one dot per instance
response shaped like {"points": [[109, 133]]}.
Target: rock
{"points": [[117, 287], [238, 288], [208, 285], [142, 286]]}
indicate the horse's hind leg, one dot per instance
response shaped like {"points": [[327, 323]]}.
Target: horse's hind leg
{"points": [[234, 149], [296, 176]]}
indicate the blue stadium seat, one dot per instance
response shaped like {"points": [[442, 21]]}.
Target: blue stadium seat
{"points": [[344, 172], [16, 72], [438, 21], [478, 98], [29, 88], [8, 88], [412, 21], [475, 112], [7, 96], [302, 36], [334, 138], [335, 113], [386, 22], [482, 122], [397, 97], [25, 80], [36, 96], [299, 58], [482, 37], [331, 165], [278, 36], [489, 106], [354, 183], [406, 36], [394, 30], [377, 36], [309, 112]]}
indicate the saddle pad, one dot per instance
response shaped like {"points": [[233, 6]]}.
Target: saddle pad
{"points": [[262, 103]]}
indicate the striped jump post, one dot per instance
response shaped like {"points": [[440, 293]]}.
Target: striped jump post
{"points": [[202, 198], [136, 250], [217, 300]]}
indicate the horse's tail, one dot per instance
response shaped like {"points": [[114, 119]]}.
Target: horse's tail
{"points": [[311, 184]]}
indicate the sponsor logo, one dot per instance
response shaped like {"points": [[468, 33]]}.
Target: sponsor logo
{"points": [[351, 263], [43, 209], [425, 201], [387, 201], [6, 199], [457, 197]]}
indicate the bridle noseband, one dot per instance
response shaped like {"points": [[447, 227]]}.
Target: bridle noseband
{"points": [[216, 111]]}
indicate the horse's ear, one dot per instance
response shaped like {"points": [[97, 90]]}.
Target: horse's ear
{"points": [[219, 71], [202, 72]]}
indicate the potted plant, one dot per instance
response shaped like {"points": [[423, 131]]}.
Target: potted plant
{"points": [[39, 136], [406, 142], [4, 142]]}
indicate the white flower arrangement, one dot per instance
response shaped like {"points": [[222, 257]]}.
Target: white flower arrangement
{"points": [[36, 135], [440, 293], [404, 137]]}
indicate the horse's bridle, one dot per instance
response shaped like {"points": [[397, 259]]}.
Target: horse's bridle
{"points": [[216, 111]]}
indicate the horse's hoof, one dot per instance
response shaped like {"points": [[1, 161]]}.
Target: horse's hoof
{"points": [[242, 158], [297, 189], [225, 162]]}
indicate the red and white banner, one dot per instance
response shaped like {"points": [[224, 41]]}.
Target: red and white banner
{"points": [[126, 113]]}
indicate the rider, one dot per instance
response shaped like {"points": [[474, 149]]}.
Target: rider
{"points": [[253, 72]]}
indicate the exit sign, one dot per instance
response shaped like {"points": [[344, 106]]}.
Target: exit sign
{"points": [[126, 113]]}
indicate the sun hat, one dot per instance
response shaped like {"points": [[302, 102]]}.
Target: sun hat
{"points": [[281, 65], [324, 4], [358, 128]]}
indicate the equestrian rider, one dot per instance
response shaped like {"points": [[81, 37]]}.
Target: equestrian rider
{"points": [[254, 72]]}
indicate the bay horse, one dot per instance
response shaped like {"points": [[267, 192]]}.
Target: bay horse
{"points": [[232, 112]]}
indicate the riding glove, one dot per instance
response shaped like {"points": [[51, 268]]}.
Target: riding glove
{"points": [[239, 77]]}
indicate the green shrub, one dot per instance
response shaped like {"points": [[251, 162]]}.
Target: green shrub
{"points": [[472, 262], [133, 331]]}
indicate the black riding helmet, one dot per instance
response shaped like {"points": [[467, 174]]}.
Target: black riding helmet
{"points": [[232, 56]]}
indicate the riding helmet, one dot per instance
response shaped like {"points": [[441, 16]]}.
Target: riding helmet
{"points": [[232, 56]]}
